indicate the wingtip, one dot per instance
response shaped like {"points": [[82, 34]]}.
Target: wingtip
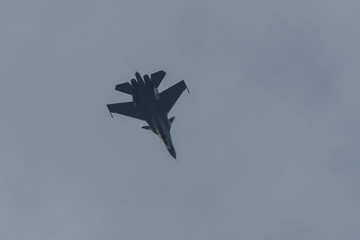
{"points": [[186, 87], [110, 111]]}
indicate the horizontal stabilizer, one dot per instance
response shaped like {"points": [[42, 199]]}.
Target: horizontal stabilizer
{"points": [[158, 77], [124, 87]]}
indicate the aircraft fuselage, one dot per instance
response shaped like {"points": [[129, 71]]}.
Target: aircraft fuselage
{"points": [[147, 99]]}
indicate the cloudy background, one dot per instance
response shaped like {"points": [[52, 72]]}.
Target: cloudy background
{"points": [[267, 141]]}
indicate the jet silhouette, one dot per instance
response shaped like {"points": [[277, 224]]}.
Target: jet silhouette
{"points": [[149, 105]]}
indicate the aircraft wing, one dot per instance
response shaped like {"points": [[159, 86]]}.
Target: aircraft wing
{"points": [[169, 97], [127, 109], [158, 77]]}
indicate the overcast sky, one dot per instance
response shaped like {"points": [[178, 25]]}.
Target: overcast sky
{"points": [[267, 142]]}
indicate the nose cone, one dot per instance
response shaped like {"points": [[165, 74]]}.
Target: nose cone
{"points": [[172, 152]]}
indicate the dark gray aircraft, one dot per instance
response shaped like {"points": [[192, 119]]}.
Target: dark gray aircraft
{"points": [[149, 105]]}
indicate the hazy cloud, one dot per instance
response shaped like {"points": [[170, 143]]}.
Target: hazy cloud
{"points": [[267, 141]]}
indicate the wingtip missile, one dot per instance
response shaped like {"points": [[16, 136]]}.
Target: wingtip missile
{"points": [[186, 87], [110, 111]]}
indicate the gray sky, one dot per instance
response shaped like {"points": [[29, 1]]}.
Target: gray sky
{"points": [[267, 141]]}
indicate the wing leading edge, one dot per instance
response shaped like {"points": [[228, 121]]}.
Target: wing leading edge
{"points": [[127, 109], [169, 97]]}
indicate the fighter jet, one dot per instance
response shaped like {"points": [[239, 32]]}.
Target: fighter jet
{"points": [[149, 105]]}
